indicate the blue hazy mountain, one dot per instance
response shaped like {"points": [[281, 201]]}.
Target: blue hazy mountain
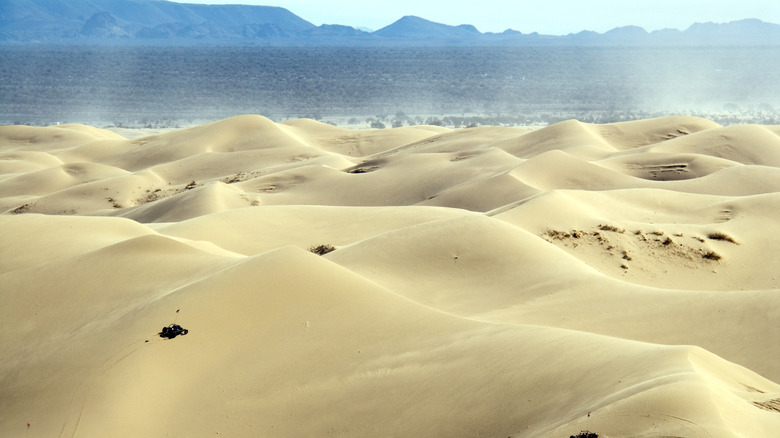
{"points": [[74, 20], [166, 23], [411, 27]]}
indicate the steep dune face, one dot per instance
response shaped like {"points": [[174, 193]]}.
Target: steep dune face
{"points": [[480, 282]]}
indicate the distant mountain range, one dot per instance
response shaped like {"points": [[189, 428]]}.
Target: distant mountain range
{"points": [[158, 22]]}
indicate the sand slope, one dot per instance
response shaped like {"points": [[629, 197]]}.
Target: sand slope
{"points": [[485, 282]]}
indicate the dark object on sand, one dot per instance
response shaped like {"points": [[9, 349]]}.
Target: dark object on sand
{"points": [[172, 331], [585, 434]]}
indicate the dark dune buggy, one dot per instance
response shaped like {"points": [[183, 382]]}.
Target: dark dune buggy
{"points": [[172, 331]]}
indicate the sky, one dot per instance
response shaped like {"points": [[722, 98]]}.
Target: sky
{"points": [[550, 17]]}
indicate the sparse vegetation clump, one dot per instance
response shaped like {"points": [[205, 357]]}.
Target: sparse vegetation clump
{"points": [[711, 255], [611, 228], [556, 234], [322, 249], [640, 244], [21, 209], [769, 405], [233, 179], [721, 236], [365, 169]]}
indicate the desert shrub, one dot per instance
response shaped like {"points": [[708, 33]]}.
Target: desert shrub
{"points": [[114, 203], [234, 179], [322, 249], [21, 209], [721, 236], [612, 228], [555, 234], [363, 169], [711, 255]]}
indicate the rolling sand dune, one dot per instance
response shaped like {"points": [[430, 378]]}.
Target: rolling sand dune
{"points": [[490, 281]]}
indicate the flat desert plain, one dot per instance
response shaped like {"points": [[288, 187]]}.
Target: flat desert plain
{"points": [[485, 282]]}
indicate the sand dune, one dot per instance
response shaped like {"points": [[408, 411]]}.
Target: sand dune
{"points": [[487, 281]]}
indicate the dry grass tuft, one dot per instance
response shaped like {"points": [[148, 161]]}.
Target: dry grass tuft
{"points": [[721, 236], [611, 228], [711, 255]]}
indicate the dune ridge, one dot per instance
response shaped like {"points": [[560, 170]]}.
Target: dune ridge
{"points": [[487, 281]]}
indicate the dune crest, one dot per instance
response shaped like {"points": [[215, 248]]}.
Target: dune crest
{"points": [[415, 281]]}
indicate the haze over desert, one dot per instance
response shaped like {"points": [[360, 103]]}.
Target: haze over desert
{"points": [[491, 281]]}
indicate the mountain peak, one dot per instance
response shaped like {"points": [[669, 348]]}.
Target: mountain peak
{"points": [[411, 26], [102, 25]]}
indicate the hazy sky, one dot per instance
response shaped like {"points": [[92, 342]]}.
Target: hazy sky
{"points": [[553, 17]]}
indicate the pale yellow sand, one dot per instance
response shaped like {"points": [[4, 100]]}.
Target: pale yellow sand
{"points": [[485, 282]]}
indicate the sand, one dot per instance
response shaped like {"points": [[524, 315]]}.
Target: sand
{"points": [[491, 281]]}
